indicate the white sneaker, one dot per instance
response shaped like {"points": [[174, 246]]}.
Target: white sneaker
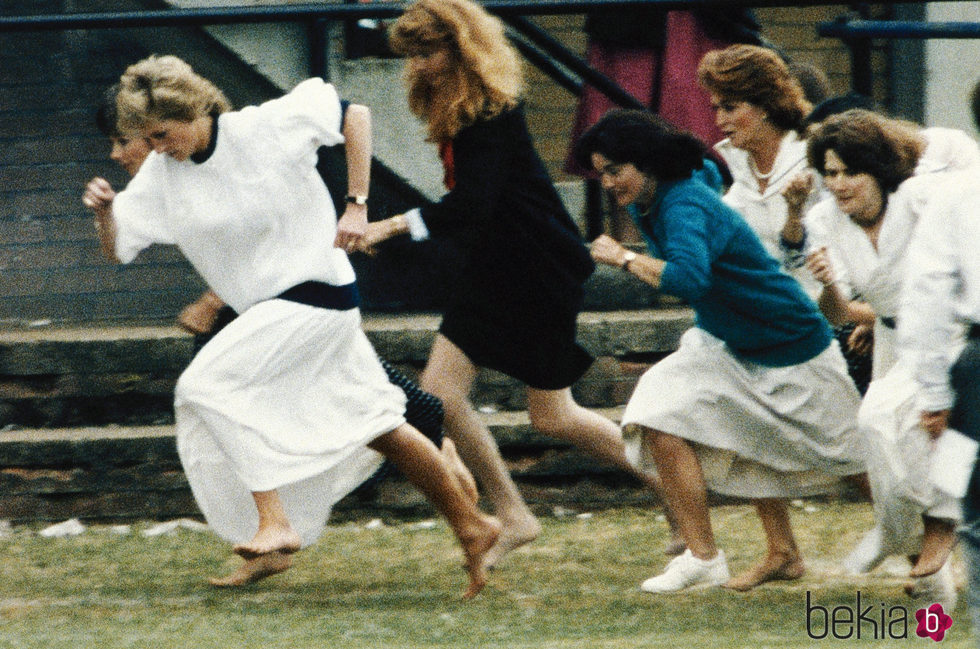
{"points": [[938, 587], [866, 556], [686, 570]]}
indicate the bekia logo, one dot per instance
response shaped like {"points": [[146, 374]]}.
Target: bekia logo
{"points": [[933, 622], [863, 620]]}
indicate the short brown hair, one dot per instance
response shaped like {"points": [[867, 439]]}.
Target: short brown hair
{"points": [[758, 76], [866, 142]]}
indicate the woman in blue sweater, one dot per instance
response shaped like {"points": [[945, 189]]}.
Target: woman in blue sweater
{"points": [[756, 402]]}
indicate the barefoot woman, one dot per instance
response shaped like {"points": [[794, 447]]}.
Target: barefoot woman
{"points": [[516, 300], [287, 408]]}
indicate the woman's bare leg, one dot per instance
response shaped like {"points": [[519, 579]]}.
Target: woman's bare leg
{"points": [[253, 570], [783, 560], [555, 413], [938, 539], [684, 489], [275, 533], [431, 473], [449, 375]]}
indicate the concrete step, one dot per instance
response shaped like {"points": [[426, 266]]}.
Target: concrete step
{"points": [[121, 473], [56, 376]]}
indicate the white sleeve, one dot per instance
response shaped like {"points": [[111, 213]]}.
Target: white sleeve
{"points": [[416, 226], [140, 212], [927, 325], [308, 117]]}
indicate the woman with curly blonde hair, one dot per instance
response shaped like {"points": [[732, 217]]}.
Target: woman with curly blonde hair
{"points": [[517, 296], [287, 408]]}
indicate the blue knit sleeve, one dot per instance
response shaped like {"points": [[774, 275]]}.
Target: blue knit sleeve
{"points": [[686, 249]]}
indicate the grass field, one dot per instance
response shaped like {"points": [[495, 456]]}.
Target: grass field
{"points": [[398, 586]]}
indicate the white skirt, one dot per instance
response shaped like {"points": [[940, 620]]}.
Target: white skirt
{"points": [[900, 454], [758, 431], [285, 397]]}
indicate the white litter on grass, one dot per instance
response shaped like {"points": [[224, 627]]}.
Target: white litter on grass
{"points": [[6, 528], [558, 511], [805, 506], [169, 527], [423, 525], [121, 530], [487, 410], [71, 527], [584, 516], [374, 524]]}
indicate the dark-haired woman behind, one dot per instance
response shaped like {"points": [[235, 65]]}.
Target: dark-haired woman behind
{"points": [[756, 402]]}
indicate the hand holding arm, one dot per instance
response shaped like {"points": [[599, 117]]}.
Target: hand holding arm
{"points": [[357, 135], [98, 197], [380, 231]]}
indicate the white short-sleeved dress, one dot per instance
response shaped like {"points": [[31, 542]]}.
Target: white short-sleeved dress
{"points": [[288, 395]]}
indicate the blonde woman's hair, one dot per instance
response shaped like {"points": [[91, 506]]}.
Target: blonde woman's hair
{"points": [[760, 77], [162, 88], [483, 78]]}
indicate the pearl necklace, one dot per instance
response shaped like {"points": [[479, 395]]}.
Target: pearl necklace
{"points": [[758, 174]]}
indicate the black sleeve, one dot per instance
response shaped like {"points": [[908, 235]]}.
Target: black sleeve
{"points": [[480, 153]]}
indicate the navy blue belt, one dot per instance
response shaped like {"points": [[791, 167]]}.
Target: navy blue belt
{"points": [[974, 332], [891, 323], [323, 295]]}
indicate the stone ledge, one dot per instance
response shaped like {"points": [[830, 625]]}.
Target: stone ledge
{"points": [[116, 473], [114, 446], [46, 350]]}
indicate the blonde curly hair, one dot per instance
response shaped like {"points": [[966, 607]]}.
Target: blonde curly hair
{"points": [[483, 78], [162, 88]]}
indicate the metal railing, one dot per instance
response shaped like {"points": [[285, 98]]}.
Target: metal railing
{"points": [[858, 32], [543, 53], [536, 45]]}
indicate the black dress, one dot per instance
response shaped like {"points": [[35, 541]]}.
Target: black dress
{"points": [[516, 298]]}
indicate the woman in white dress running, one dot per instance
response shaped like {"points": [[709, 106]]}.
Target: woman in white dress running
{"points": [[288, 408]]}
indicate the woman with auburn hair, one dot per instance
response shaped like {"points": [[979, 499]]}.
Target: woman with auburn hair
{"points": [[861, 236], [287, 408], [760, 108], [518, 294], [756, 402]]}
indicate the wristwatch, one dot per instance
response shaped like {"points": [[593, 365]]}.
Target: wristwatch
{"points": [[357, 200], [627, 258]]}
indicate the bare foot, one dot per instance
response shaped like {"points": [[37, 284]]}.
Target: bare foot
{"points": [[512, 536], [937, 543], [773, 567], [253, 570], [269, 539], [466, 480], [476, 544]]}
